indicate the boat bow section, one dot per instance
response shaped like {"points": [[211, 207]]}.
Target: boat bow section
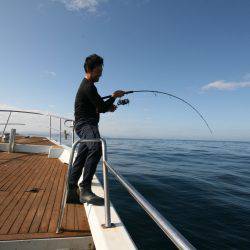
{"points": [[32, 180]]}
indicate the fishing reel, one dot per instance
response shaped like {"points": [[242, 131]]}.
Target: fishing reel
{"points": [[123, 102]]}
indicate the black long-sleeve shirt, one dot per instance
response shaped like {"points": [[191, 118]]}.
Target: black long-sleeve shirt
{"points": [[88, 104]]}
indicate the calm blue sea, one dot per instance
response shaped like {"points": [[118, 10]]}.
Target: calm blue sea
{"points": [[201, 187]]}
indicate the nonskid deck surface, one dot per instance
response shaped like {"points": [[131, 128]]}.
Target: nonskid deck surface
{"points": [[31, 188]]}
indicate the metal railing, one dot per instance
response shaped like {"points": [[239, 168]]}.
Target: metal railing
{"points": [[173, 234], [42, 114]]}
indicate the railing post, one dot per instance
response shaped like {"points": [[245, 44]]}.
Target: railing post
{"points": [[65, 191], [12, 140], [50, 127], [106, 186], [108, 223], [60, 137], [73, 135], [6, 124]]}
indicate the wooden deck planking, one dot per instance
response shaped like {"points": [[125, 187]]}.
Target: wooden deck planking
{"points": [[57, 204], [42, 235], [23, 213], [49, 206], [14, 177], [27, 215], [70, 221], [35, 205], [16, 210], [44, 199], [9, 164], [14, 173], [64, 222], [15, 187], [82, 217], [33, 140], [15, 205], [7, 178], [76, 218]]}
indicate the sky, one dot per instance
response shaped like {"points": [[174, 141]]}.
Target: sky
{"points": [[198, 50]]}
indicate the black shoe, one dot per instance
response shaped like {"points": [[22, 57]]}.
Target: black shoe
{"points": [[72, 196], [86, 195]]}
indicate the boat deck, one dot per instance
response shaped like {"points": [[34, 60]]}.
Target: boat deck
{"points": [[31, 188], [34, 140]]}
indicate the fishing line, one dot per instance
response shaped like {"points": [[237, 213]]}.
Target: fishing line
{"points": [[126, 101]]}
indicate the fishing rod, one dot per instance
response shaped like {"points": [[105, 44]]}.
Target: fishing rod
{"points": [[126, 101]]}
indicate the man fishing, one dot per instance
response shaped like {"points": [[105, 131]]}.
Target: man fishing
{"points": [[88, 106]]}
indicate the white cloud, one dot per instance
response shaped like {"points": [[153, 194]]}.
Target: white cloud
{"points": [[6, 106], [47, 73], [222, 85], [76, 5]]}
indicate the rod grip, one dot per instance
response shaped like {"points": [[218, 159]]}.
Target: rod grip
{"points": [[126, 92]]}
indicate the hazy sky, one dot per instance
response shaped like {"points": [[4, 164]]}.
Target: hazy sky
{"points": [[198, 50]]}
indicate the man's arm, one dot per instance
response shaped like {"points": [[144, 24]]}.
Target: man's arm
{"points": [[109, 103], [98, 102]]}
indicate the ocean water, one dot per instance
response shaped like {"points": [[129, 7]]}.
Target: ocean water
{"points": [[201, 187]]}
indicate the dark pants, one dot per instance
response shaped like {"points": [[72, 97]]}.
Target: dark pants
{"points": [[88, 156]]}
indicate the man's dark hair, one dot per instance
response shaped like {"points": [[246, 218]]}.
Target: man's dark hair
{"points": [[92, 61]]}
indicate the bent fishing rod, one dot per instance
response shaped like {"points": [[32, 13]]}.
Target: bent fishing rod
{"points": [[126, 101]]}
